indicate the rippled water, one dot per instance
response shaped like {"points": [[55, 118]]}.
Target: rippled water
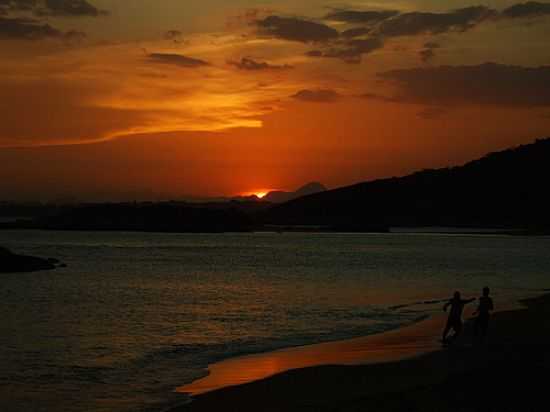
{"points": [[134, 315]]}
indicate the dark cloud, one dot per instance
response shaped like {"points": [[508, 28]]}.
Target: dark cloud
{"points": [[350, 51], [356, 32], [176, 60], [30, 29], [428, 53], [435, 23], [17, 20], [365, 46], [19, 5], [393, 23], [527, 10], [375, 26], [363, 17], [26, 29], [71, 8], [489, 83], [247, 63], [289, 28], [317, 96], [68, 8]]}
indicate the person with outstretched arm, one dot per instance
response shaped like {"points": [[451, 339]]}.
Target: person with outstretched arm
{"points": [[483, 312], [454, 321]]}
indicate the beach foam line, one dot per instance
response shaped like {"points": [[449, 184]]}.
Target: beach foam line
{"points": [[406, 342]]}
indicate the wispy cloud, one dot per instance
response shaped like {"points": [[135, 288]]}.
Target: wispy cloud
{"points": [[176, 60], [361, 16], [248, 63], [350, 51], [529, 9], [26, 29], [290, 28], [65, 8], [27, 19], [415, 23]]}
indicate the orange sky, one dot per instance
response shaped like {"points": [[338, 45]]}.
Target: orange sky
{"points": [[163, 99]]}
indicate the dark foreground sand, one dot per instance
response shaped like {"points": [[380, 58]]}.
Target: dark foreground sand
{"points": [[510, 373]]}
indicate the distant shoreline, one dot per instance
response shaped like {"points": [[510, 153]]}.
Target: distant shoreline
{"points": [[25, 225]]}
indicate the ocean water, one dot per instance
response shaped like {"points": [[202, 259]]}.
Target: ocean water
{"points": [[134, 315]]}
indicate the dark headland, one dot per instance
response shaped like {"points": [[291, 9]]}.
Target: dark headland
{"points": [[13, 263], [504, 191]]}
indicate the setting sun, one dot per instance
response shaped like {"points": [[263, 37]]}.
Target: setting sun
{"points": [[260, 193]]}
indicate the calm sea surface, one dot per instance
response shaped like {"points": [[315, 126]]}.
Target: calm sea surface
{"points": [[134, 315]]}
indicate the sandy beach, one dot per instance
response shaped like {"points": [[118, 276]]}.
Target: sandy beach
{"points": [[402, 370]]}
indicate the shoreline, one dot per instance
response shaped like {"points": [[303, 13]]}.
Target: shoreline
{"points": [[408, 341], [423, 230], [365, 370]]}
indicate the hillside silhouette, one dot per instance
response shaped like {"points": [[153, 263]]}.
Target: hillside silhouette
{"points": [[507, 189], [279, 196]]}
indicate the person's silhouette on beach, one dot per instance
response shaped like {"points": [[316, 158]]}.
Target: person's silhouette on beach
{"points": [[483, 312], [454, 321]]}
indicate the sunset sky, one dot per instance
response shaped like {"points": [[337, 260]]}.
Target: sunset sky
{"points": [[160, 99]]}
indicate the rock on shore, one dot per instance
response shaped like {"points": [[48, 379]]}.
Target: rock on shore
{"points": [[13, 263]]}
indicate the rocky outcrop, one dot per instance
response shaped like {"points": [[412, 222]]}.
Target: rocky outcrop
{"points": [[12, 263]]}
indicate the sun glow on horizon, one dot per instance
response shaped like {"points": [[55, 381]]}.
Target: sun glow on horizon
{"points": [[259, 193]]}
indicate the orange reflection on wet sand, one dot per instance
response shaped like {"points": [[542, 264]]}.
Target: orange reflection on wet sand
{"points": [[398, 344]]}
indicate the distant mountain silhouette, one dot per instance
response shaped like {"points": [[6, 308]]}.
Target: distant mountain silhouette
{"points": [[275, 196], [281, 197], [507, 189]]}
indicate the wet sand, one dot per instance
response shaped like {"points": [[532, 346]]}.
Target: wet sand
{"points": [[398, 344], [509, 373]]}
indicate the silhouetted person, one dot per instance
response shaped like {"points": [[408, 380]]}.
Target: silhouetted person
{"points": [[483, 312], [454, 321]]}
